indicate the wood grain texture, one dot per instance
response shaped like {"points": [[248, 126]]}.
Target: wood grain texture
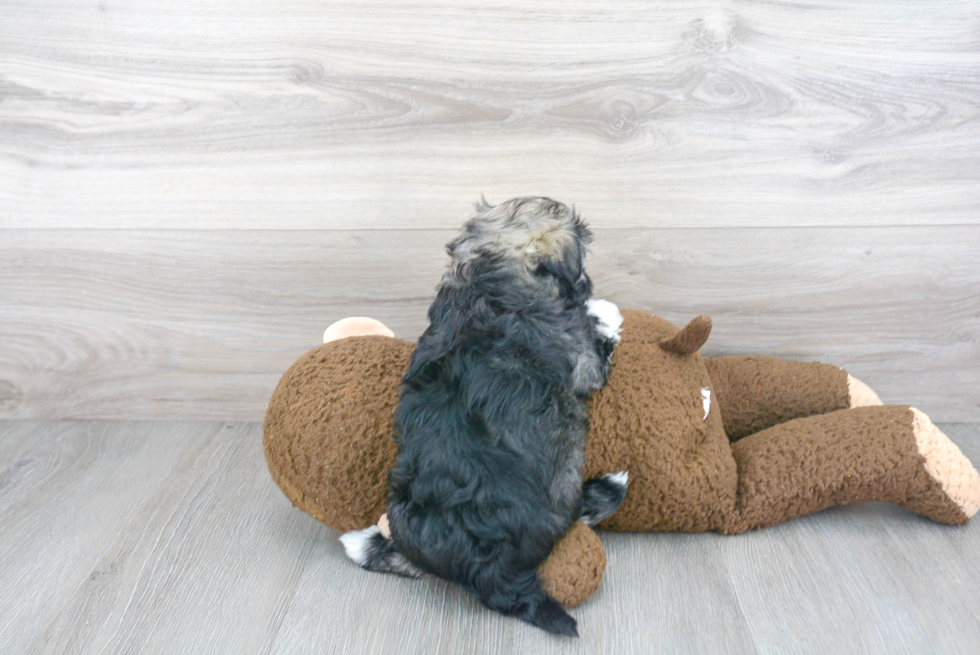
{"points": [[112, 545], [209, 565], [312, 114], [66, 490], [201, 324]]}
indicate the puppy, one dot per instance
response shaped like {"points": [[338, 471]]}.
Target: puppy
{"points": [[491, 421]]}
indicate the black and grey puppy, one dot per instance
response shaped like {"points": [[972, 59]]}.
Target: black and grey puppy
{"points": [[492, 421]]}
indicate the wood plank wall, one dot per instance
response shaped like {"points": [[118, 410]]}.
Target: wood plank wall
{"points": [[191, 192]]}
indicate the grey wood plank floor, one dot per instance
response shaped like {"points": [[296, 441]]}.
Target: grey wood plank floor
{"points": [[171, 537]]}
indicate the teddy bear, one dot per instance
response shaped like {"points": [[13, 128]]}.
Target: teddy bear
{"points": [[727, 444]]}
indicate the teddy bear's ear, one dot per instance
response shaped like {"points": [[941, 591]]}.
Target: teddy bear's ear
{"points": [[690, 337], [356, 326]]}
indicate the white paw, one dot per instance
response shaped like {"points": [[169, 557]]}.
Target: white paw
{"points": [[610, 320], [620, 479], [356, 543]]}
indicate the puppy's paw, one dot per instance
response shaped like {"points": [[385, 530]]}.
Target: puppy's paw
{"points": [[602, 496], [621, 479], [357, 543], [610, 321]]}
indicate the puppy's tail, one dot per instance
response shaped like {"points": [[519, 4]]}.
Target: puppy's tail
{"points": [[373, 552], [526, 600], [521, 598]]}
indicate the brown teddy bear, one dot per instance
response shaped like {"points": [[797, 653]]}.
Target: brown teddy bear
{"points": [[727, 444]]}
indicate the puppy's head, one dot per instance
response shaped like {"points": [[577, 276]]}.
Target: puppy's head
{"points": [[542, 240]]}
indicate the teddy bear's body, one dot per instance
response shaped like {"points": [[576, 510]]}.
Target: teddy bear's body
{"points": [[727, 444]]}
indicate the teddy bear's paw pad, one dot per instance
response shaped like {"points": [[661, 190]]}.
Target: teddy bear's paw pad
{"points": [[946, 464], [861, 395], [602, 496], [610, 319], [384, 526], [356, 326]]}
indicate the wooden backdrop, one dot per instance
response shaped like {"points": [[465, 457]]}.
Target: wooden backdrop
{"points": [[191, 191]]}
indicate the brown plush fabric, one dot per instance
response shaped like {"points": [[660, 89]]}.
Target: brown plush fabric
{"points": [[328, 441], [809, 464], [755, 393], [690, 338], [574, 570], [328, 430], [329, 426], [682, 476], [328, 445]]}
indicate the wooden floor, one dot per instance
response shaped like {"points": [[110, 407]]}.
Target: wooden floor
{"points": [[124, 537]]}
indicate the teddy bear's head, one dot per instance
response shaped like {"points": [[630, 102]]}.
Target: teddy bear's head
{"points": [[655, 418]]}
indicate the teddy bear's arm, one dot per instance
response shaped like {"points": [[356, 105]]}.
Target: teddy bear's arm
{"points": [[755, 393]]}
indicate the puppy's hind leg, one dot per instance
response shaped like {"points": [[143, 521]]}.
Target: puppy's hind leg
{"points": [[602, 496], [373, 552]]}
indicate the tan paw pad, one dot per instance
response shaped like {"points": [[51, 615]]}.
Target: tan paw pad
{"points": [[860, 394], [356, 326], [946, 464]]}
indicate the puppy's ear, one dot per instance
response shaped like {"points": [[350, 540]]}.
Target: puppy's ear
{"points": [[563, 262], [470, 229], [559, 251], [463, 243], [482, 205]]}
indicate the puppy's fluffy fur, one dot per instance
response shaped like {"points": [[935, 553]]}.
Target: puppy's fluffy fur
{"points": [[491, 424]]}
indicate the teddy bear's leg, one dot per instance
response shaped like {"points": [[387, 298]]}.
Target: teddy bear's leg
{"points": [[755, 393], [887, 453]]}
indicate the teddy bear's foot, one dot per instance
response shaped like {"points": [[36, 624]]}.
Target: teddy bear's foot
{"points": [[356, 326], [860, 395], [947, 466], [384, 526]]}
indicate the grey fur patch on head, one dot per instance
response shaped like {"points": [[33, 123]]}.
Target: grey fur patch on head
{"points": [[530, 231]]}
